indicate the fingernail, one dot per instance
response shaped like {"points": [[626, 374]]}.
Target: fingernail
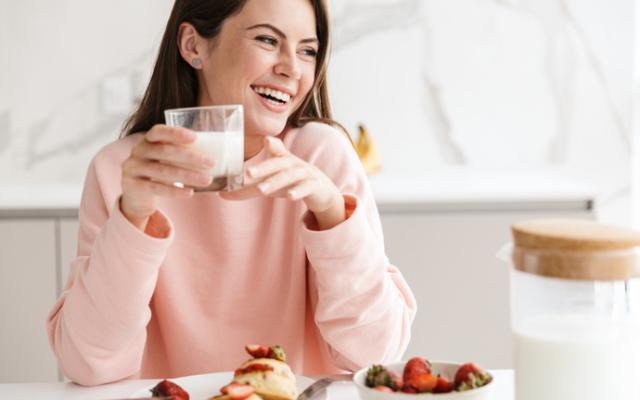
{"points": [[204, 179], [252, 171], [264, 187], [188, 135], [293, 194], [209, 162]]}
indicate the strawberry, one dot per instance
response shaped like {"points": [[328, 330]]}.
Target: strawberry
{"points": [[385, 389], [377, 375], [423, 383], [239, 392], [253, 368], [415, 366], [169, 389], [470, 376], [225, 389], [277, 353], [408, 389], [257, 350], [443, 386]]}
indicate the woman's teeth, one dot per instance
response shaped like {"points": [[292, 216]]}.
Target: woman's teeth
{"points": [[272, 95]]}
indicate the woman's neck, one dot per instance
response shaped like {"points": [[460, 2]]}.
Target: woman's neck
{"points": [[252, 145]]}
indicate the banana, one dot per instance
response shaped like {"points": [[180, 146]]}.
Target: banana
{"points": [[367, 151]]}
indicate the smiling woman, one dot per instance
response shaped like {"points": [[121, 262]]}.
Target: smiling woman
{"points": [[168, 282]]}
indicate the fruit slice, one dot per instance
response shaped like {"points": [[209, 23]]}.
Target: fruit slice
{"points": [[169, 389], [415, 366], [470, 376], [239, 392], [257, 350]]}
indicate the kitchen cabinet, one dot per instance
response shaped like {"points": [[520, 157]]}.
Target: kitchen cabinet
{"points": [[27, 292], [462, 289], [68, 247]]}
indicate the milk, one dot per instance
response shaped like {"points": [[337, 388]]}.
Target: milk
{"points": [[225, 148], [577, 358]]}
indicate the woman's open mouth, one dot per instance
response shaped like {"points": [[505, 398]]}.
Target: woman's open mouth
{"points": [[273, 97]]}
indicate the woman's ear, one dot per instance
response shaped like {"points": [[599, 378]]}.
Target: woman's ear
{"points": [[188, 40]]}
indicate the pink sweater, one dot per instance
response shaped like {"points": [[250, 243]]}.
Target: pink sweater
{"points": [[229, 273]]}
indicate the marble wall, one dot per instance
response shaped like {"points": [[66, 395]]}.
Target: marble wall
{"points": [[490, 84]]}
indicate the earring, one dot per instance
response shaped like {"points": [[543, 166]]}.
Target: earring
{"points": [[196, 62]]}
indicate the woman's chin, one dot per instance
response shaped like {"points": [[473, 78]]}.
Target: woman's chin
{"points": [[265, 129]]}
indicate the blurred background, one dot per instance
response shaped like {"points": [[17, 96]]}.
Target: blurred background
{"points": [[483, 112]]}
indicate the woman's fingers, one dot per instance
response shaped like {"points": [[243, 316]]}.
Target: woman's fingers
{"points": [[301, 190], [275, 147], [270, 167], [282, 180], [170, 134], [149, 187], [157, 171], [173, 154]]}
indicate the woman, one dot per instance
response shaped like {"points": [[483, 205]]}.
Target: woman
{"points": [[170, 283]]}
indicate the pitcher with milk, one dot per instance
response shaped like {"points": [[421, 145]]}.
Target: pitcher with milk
{"points": [[220, 134], [575, 310]]}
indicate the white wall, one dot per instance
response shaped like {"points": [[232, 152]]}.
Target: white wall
{"points": [[58, 59], [492, 84], [488, 84]]}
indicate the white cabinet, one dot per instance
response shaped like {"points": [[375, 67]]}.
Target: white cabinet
{"points": [[462, 289], [68, 246], [27, 293]]}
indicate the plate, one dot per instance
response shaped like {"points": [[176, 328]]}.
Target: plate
{"points": [[202, 387]]}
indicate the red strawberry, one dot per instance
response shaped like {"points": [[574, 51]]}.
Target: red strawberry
{"points": [[225, 389], [415, 366], [253, 368], [443, 386], [169, 389], [470, 376], [408, 389], [239, 392], [377, 375], [386, 389], [257, 351], [424, 383]]}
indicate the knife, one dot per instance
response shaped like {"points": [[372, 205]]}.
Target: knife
{"points": [[320, 387]]}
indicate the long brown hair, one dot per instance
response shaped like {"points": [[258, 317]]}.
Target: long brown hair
{"points": [[174, 83]]}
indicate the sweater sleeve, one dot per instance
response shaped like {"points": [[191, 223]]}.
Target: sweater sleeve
{"points": [[97, 328], [362, 305]]}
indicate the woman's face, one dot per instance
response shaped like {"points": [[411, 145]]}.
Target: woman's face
{"points": [[264, 58]]}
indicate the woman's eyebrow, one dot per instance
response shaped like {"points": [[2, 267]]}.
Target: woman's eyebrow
{"points": [[280, 33]]}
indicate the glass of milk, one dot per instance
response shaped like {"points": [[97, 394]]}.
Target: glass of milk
{"points": [[220, 134], [575, 310]]}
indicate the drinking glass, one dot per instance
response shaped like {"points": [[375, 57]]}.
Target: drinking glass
{"points": [[219, 134]]}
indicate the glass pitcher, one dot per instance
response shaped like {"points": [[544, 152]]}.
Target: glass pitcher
{"points": [[575, 310]]}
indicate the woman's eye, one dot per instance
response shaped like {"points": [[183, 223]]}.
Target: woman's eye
{"points": [[310, 52], [267, 40]]}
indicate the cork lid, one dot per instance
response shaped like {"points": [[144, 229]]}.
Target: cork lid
{"points": [[576, 249]]}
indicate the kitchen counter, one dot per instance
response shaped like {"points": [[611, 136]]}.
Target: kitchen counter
{"points": [[68, 391], [450, 190]]}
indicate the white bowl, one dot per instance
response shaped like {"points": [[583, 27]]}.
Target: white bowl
{"points": [[446, 370]]}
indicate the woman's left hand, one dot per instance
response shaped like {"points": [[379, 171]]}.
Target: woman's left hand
{"points": [[285, 175]]}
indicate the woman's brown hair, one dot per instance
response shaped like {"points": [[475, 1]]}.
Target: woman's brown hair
{"points": [[174, 83]]}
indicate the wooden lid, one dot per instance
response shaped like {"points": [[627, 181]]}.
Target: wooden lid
{"points": [[576, 249]]}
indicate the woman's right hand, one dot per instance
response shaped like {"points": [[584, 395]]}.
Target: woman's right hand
{"points": [[156, 162]]}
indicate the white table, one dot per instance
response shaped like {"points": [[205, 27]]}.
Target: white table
{"points": [[123, 389]]}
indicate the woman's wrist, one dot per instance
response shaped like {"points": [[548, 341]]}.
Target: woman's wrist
{"points": [[333, 215], [139, 221]]}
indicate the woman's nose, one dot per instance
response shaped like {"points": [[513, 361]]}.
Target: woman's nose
{"points": [[288, 65]]}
